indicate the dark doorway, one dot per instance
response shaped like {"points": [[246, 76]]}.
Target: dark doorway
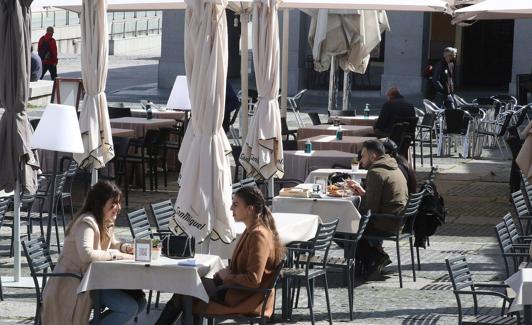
{"points": [[487, 54]]}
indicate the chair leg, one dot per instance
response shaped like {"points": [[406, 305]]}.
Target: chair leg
{"points": [[399, 264], [1, 292], [307, 284], [418, 261], [430, 147], [350, 289], [57, 235], [71, 207], [63, 215], [327, 298], [157, 299], [149, 302], [412, 258]]}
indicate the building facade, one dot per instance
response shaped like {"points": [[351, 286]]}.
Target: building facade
{"points": [[490, 53]]}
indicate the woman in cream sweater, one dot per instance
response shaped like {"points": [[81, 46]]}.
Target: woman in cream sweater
{"points": [[88, 238]]}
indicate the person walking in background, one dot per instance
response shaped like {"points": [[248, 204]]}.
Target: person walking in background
{"points": [[48, 53], [443, 78], [36, 66], [395, 108]]}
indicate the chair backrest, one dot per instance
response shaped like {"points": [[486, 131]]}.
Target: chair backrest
{"points": [[162, 213], [350, 245], [455, 120], [342, 113], [121, 146], [431, 107], [459, 273], [410, 211], [244, 183], [39, 260], [503, 121], [139, 225], [322, 241], [485, 101], [521, 114], [296, 99], [284, 126], [505, 246], [519, 203], [428, 120], [150, 142], [511, 228], [272, 285], [506, 99], [4, 205], [315, 118], [116, 112]]}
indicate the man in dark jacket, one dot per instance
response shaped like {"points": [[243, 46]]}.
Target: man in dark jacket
{"points": [[395, 108], [48, 52], [386, 192], [444, 78]]}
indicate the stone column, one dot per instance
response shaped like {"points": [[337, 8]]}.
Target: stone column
{"points": [[522, 59], [172, 62], [405, 52]]}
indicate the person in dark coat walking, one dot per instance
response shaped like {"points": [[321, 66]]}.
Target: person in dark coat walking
{"points": [[443, 79], [396, 107], [48, 52]]}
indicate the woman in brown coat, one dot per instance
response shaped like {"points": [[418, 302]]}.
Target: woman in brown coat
{"points": [[89, 237], [256, 255]]}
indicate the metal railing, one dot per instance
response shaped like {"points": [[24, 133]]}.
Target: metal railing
{"points": [[135, 27]]}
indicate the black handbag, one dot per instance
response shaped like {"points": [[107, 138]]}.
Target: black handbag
{"points": [[178, 246], [337, 178]]}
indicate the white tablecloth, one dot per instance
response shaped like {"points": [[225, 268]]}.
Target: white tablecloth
{"points": [[162, 275], [327, 208], [521, 284], [290, 226], [325, 172]]}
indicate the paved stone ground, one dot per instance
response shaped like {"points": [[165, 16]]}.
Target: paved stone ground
{"points": [[475, 192]]}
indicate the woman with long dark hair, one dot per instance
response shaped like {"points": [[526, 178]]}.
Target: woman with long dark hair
{"points": [[253, 263], [88, 238]]}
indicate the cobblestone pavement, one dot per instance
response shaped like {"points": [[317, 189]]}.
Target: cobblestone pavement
{"points": [[476, 198]]}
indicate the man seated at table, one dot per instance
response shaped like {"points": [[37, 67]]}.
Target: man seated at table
{"points": [[386, 191], [396, 108]]}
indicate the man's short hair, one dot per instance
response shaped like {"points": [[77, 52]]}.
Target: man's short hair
{"points": [[450, 50], [375, 146], [393, 92], [49, 29]]}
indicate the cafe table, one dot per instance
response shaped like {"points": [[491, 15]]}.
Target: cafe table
{"points": [[328, 129], [327, 208], [166, 114], [298, 164], [140, 125], [521, 283], [164, 274], [355, 120], [290, 226], [326, 172], [329, 142]]}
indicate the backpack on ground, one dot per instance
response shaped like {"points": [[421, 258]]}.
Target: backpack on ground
{"points": [[430, 216]]}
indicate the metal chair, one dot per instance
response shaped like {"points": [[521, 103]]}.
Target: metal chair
{"points": [[426, 127], [164, 144], [456, 124], [26, 204], [251, 319], [294, 103], [285, 131], [121, 146], [66, 194], [498, 130], [513, 254], [405, 230], [116, 112], [308, 272], [40, 263], [347, 262], [139, 225], [463, 284], [162, 213], [516, 234], [148, 154]]}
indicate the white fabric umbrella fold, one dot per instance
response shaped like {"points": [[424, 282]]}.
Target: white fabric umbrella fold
{"points": [[262, 153], [94, 118], [203, 202]]}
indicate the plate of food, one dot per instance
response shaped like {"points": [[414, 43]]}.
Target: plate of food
{"points": [[338, 191]]}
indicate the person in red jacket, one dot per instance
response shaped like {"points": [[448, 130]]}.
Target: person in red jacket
{"points": [[48, 52]]}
